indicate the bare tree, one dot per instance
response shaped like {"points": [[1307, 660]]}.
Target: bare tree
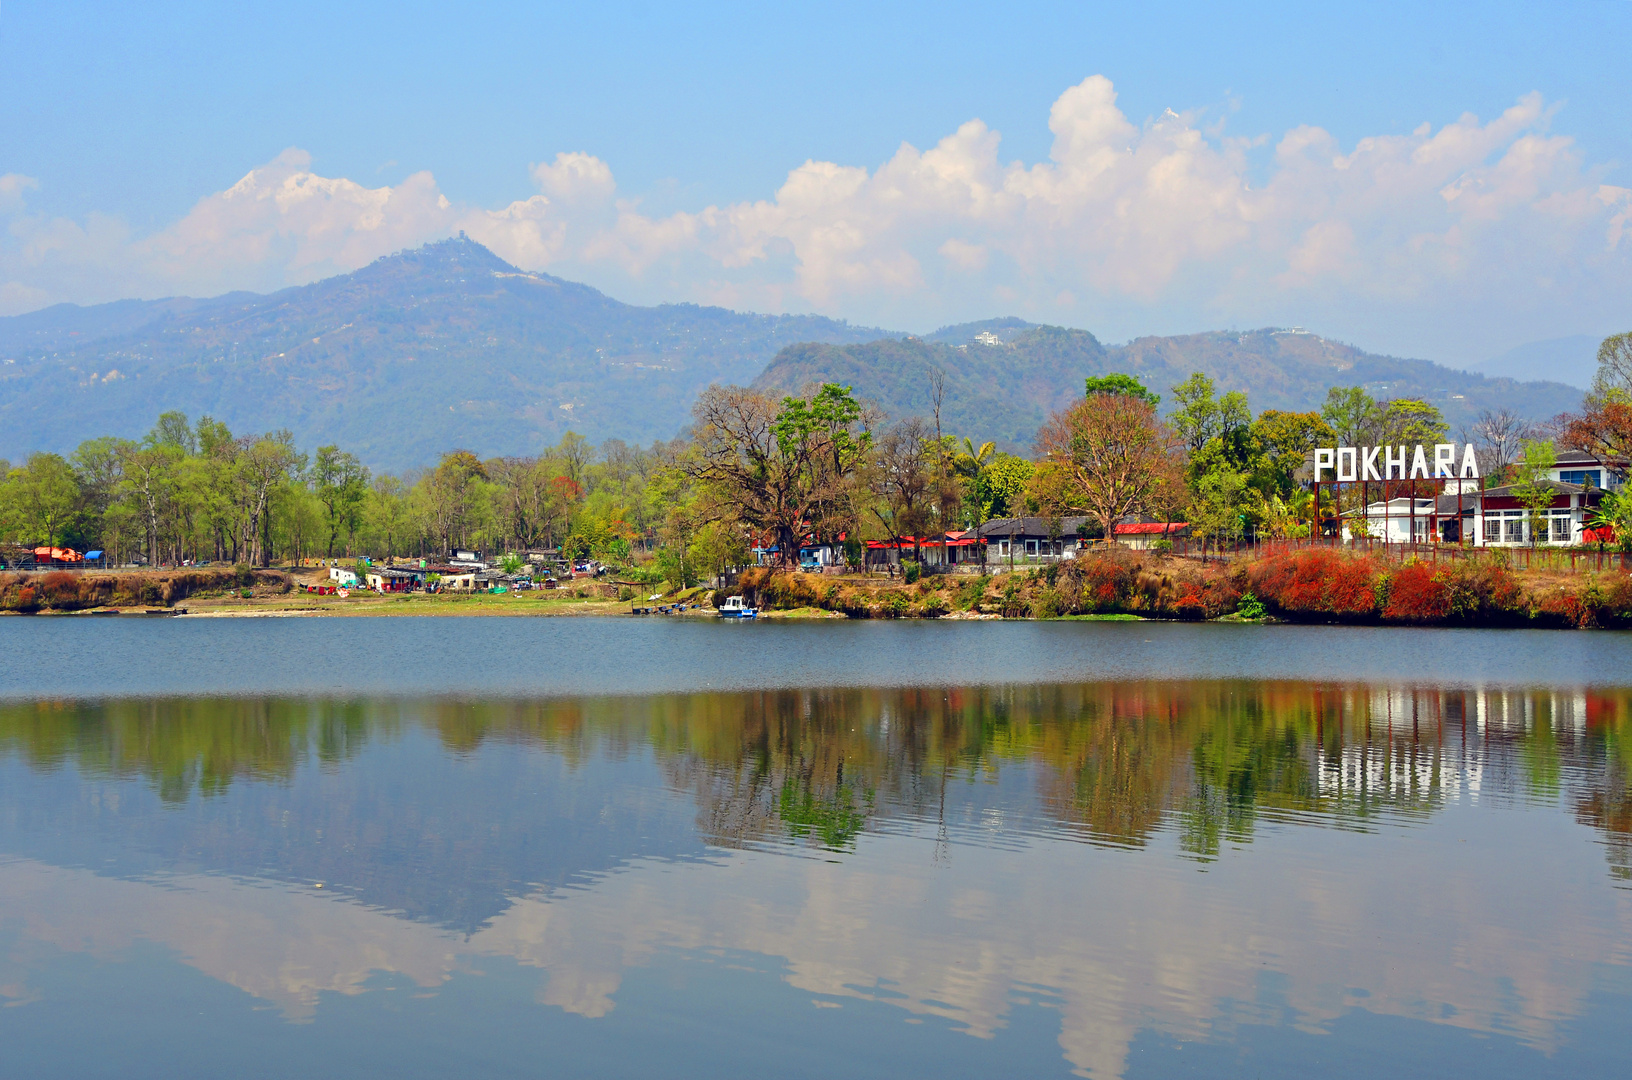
{"points": [[1108, 456], [903, 481], [771, 468], [1498, 437]]}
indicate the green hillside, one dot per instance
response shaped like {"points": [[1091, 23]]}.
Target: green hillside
{"points": [[1003, 376], [1001, 392], [445, 346]]}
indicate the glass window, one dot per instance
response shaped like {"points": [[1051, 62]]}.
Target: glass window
{"points": [[1515, 530], [1493, 530], [1561, 530], [1031, 548]]}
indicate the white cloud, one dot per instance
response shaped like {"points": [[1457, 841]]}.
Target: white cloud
{"points": [[1467, 236], [12, 186]]}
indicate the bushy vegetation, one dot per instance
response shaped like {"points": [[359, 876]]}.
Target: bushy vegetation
{"points": [[1336, 586], [62, 590]]}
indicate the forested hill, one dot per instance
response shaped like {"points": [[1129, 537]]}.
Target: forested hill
{"points": [[1003, 376], [999, 391], [420, 352]]}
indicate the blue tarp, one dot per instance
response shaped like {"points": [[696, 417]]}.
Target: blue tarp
{"points": [[93, 554]]}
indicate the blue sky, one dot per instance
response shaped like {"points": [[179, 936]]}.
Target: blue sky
{"points": [[120, 124]]}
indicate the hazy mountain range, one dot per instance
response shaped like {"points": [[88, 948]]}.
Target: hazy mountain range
{"points": [[449, 346]]}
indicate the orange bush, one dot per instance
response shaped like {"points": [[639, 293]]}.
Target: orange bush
{"points": [[1316, 582], [1417, 593]]}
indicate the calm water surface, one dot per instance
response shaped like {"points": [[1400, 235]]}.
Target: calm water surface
{"points": [[559, 847]]}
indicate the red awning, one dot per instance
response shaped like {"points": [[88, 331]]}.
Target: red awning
{"points": [[1144, 528]]}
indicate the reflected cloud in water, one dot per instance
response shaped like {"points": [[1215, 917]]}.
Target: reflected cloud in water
{"points": [[1173, 858]]}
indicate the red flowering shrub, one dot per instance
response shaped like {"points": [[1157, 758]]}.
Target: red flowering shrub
{"points": [[1189, 603], [1316, 583], [1106, 583], [1417, 593]]}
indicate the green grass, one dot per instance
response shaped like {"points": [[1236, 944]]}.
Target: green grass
{"points": [[1102, 618]]}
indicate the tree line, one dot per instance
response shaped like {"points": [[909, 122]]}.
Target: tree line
{"points": [[754, 471]]}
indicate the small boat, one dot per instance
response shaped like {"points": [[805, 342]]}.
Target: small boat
{"points": [[734, 608]]}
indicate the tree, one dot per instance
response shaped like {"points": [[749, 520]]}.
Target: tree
{"points": [[454, 493], [903, 482], [772, 468], [174, 430], [1286, 438], [1613, 512], [1604, 428], [1000, 488], [1355, 419], [1198, 416], [267, 464], [1614, 377], [149, 475], [1110, 456], [1412, 422], [43, 496], [1533, 491], [341, 485], [573, 452], [1498, 436], [1118, 383], [388, 510]]}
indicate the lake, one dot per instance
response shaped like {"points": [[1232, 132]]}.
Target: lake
{"points": [[611, 847]]}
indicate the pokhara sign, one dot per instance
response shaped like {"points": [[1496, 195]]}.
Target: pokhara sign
{"points": [[1350, 464]]}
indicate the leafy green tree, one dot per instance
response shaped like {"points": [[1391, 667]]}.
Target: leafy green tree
{"points": [[1286, 438], [1224, 503], [1199, 417], [268, 463], [174, 430], [43, 496], [456, 498], [149, 477], [1118, 383], [1000, 488], [1413, 422], [1532, 490], [1355, 419], [1613, 513], [341, 485], [387, 512]]}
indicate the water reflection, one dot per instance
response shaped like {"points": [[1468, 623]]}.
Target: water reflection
{"points": [[1112, 763], [1136, 857]]}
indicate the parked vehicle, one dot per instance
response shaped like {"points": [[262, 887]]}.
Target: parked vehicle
{"points": [[734, 608]]}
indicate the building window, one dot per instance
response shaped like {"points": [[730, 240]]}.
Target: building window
{"points": [[1594, 477], [1515, 530], [1493, 530], [1561, 530], [1031, 549]]}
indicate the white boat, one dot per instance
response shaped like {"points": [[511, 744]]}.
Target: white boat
{"points": [[734, 608]]}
